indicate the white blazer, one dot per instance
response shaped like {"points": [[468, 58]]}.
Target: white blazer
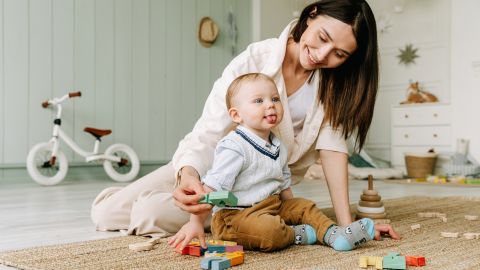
{"points": [[197, 148]]}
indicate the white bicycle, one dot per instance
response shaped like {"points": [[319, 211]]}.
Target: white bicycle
{"points": [[47, 164]]}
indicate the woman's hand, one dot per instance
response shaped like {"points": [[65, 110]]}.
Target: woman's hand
{"points": [[187, 233], [189, 192], [385, 229]]}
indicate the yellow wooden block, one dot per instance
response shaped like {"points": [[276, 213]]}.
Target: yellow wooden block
{"points": [[379, 263], [363, 262], [222, 243]]}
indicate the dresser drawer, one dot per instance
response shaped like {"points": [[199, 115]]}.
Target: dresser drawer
{"points": [[421, 115], [417, 136], [398, 157]]}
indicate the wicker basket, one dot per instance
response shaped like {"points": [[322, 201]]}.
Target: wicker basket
{"points": [[420, 165]]}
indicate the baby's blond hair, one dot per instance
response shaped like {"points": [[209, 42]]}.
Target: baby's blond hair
{"points": [[235, 85]]}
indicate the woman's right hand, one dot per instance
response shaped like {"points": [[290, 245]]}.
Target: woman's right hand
{"points": [[189, 192]]}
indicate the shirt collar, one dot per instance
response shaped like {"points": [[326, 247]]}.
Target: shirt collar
{"points": [[270, 149]]}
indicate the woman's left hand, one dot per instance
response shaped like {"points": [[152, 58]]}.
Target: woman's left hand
{"points": [[385, 229]]}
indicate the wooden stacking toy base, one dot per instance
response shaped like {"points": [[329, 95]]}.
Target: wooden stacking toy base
{"points": [[370, 204]]}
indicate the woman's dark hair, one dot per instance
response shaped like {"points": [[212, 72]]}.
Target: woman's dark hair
{"points": [[348, 92]]}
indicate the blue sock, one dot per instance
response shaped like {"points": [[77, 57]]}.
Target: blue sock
{"points": [[351, 236], [304, 234]]}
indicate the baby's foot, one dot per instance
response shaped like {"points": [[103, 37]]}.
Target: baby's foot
{"points": [[351, 236], [304, 234]]}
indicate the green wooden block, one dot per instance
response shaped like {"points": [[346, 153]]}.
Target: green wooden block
{"points": [[220, 198], [394, 261], [475, 181]]}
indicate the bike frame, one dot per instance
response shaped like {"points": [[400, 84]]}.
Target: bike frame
{"points": [[58, 134]]}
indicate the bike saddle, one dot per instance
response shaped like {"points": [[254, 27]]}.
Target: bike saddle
{"points": [[97, 133]]}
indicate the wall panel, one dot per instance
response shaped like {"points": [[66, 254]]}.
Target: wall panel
{"points": [[139, 65]]}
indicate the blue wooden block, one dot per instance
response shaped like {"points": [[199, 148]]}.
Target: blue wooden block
{"points": [[394, 261], [206, 263], [215, 248], [224, 263]]}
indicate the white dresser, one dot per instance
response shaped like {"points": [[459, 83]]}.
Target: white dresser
{"points": [[418, 128]]}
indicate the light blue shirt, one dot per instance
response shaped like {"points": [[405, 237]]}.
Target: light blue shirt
{"points": [[248, 166]]}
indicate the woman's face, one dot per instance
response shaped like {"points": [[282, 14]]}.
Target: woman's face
{"points": [[326, 43]]}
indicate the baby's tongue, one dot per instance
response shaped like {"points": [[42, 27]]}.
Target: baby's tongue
{"points": [[271, 119]]}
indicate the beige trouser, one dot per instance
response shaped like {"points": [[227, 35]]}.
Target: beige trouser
{"points": [[144, 207], [264, 226]]}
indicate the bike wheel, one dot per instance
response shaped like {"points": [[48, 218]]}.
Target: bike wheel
{"points": [[127, 169], [39, 168]]}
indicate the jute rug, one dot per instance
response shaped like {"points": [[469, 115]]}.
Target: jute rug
{"points": [[440, 253]]}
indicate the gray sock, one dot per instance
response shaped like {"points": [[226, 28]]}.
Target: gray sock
{"points": [[349, 237], [304, 234]]}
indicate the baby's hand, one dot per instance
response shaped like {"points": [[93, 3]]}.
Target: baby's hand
{"points": [[187, 233], [385, 229]]}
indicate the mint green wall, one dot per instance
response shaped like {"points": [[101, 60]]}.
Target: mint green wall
{"points": [[138, 63]]}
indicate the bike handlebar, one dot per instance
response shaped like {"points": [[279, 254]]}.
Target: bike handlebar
{"points": [[75, 94], [60, 100]]}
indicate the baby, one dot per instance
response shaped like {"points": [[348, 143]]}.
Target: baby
{"points": [[251, 162]]}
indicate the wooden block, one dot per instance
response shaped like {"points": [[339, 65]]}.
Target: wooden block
{"points": [[221, 264], [221, 243], [379, 263], [235, 258], [444, 219], [471, 236], [440, 215], [142, 246], [197, 251], [362, 262], [415, 227], [370, 192], [233, 248], [155, 240], [215, 248], [183, 251], [449, 234], [471, 217], [372, 216], [415, 260], [427, 214], [370, 204], [371, 210], [206, 263], [394, 261], [371, 198], [382, 221]]}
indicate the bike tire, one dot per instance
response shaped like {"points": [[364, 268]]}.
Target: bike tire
{"points": [[117, 171], [41, 173]]}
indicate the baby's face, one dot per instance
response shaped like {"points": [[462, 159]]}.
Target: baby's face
{"points": [[258, 105]]}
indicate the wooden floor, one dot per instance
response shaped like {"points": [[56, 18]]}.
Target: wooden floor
{"points": [[33, 215]]}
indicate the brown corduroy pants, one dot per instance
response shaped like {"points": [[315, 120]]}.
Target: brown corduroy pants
{"points": [[265, 225]]}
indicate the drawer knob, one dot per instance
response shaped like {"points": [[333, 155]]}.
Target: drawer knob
{"points": [[435, 135], [435, 115], [406, 136], [406, 115]]}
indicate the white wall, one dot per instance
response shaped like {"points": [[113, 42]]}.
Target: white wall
{"points": [[138, 63], [465, 70], [426, 25]]}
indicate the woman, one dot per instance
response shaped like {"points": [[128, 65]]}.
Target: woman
{"points": [[326, 70]]}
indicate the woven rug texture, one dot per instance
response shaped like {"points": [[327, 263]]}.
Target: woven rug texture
{"points": [[440, 253]]}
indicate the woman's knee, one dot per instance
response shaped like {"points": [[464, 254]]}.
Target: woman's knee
{"points": [[104, 214], [154, 211]]}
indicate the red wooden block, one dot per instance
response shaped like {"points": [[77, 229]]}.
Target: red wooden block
{"points": [[183, 251], [196, 251], [415, 260]]}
